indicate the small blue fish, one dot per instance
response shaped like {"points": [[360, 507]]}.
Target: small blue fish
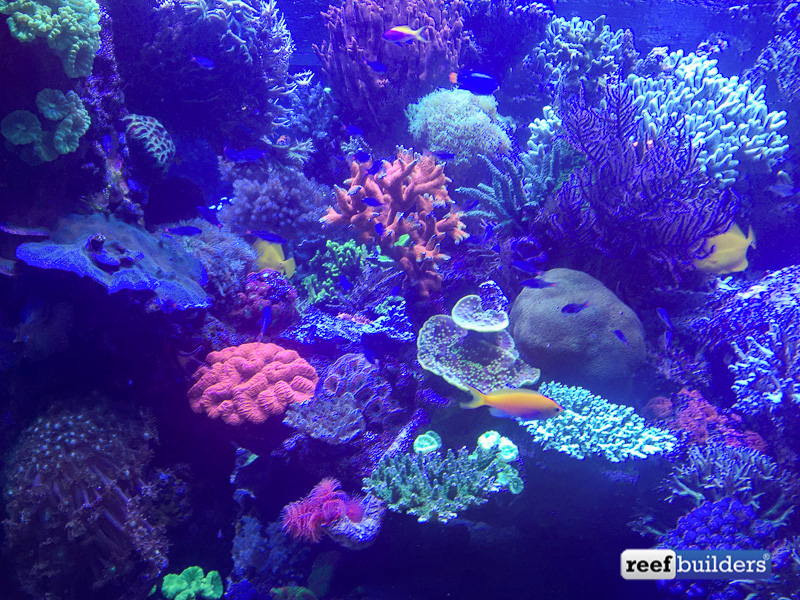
{"points": [[203, 62], [266, 319], [370, 201], [526, 267], [354, 191], [662, 313], [108, 143], [444, 155], [488, 231], [242, 156], [376, 166], [537, 283], [370, 355], [354, 130], [185, 230], [574, 308], [666, 339], [267, 236], [376, 66], [621, 336], [209, 215], [345, 283], [361, 156], [479, 84], [380, 229]]}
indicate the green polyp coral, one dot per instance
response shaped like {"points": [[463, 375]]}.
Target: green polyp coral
{"points": [[590, 425], [437, 486], [459, 122], [427, 442], [72, 29], [329, 266], [726, 119], [192, 584], [22, 128]]}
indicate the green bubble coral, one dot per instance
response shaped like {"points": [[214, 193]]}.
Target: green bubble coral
{"points": [[191, 584], [21, 127]]}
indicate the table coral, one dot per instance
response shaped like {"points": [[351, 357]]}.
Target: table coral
{"points": [[590, 425], [120, 256], [406, 225], [251, 382]]}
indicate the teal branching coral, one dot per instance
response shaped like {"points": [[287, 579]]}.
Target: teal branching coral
{"points": [[22, 128], [459, 122], [726, 118], [591, 425], [437, 486], [328, 267], [72, 29], [481, 355]]}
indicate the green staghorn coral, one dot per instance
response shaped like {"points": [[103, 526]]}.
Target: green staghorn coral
{"points": [[437, 486], [591, 425], [72, 29]]}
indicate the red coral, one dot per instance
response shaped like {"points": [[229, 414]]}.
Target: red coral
{"points": [[326, 503], [413, 186], [251, 382]]}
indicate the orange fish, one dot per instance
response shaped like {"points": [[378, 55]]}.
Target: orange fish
{"points": [[516, 404]]}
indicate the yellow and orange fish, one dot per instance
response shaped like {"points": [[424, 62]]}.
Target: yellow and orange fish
{"points": [[403, 34], [516, 404]]}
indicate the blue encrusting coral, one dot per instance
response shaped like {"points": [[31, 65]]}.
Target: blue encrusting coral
{"points": [[257, 257]]}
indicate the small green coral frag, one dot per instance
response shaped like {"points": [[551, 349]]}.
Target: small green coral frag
{"points": [[21, 127], [484, 360], [469, 314], [591, 425], [72, 28], [427, 442], [437, 486], [459, 122], [191, 584], [726, 118]]}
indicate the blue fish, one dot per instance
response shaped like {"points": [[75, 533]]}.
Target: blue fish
{"points": [[479, 84], [266, 319], [370, 355], [444, 155], [380, 229], [354, 191], [184, 230], [345, 283], [662, 313], [537, 283], [267, 236], [621, 336], [108, 143], [209, 215], [666, 339], [242, 156], [354, 130], [376, 166], [526, 267], [376, 66], [361, 156], [574, 308], [488, 231], [204, 62], [370, 201]]}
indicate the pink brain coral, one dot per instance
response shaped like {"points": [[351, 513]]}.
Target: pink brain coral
{"points": [[251, 382]]}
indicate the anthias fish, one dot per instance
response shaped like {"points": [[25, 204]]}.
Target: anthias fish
{"points": [[515, 403], [403, 34]]}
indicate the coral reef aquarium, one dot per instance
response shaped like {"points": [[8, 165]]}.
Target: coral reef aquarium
{"points": [[399, 300]]}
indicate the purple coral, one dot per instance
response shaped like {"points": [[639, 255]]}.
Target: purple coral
{"points": [[641, 204], [266, 289], [79, 504]]}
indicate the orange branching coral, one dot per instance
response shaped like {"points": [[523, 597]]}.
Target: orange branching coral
{"points": [[251, 382], [406, 193]]}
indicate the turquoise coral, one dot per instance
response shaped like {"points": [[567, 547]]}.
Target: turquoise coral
{"points": [[72, 29], [437, 486], [591, 425]]}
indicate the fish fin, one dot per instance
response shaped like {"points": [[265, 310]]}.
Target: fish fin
{"points": [[477, 398], [289, 266], [418, 34], [751, 236], [496, 412]]}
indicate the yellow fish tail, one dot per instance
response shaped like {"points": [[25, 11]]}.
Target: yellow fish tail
{"points": [[478, 398], [418, 34]]}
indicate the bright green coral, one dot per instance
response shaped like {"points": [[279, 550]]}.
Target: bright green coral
{"points": [[192, 584], [437, 486], [458, 122], [330, 266], [72, 29], [590, 425]]}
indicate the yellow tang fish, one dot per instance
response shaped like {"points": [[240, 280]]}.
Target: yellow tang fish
{"points": [[270, 256], [728, 251], [520, 403]]}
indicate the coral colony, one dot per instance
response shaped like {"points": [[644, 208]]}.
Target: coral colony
{"points": [[397, 299]]}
